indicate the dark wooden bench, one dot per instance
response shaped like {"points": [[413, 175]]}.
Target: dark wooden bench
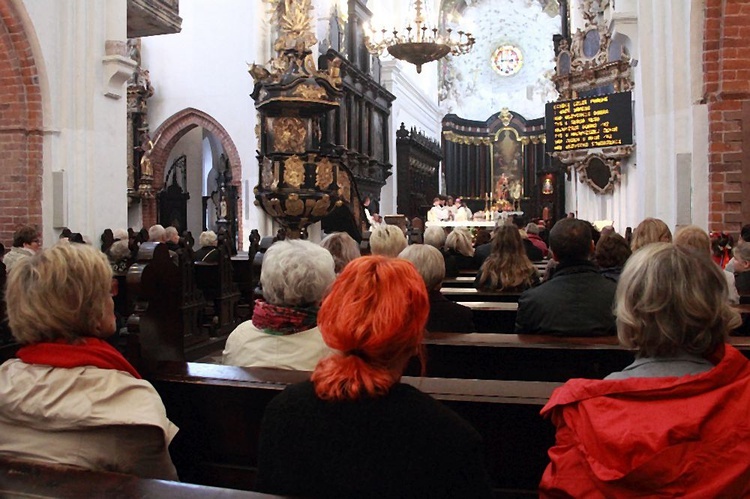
{"points": [[528, 357], [39, 480], [473, 294], [520, 357], [219, 410]]}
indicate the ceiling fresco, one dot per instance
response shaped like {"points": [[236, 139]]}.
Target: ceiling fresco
{"points": [[511, 62]]}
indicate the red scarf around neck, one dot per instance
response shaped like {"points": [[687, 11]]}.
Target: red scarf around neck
{"points": [[89, 352]]}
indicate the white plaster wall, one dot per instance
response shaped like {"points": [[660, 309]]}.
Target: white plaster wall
{"points": [[204, 67], [669, 123], [414, 108], [84, 131]]}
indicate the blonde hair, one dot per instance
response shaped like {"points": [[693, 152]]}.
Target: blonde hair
{"points": [[428, 261], [670, 300], [387, 240], [651, 230], [59, 293], [692, 236], [459, 240]]}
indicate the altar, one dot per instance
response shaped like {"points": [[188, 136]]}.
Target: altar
{"points": [[470, 224]]}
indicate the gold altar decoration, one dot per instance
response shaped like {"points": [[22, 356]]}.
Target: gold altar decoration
{"points": [[301, 180], [418, 43]]}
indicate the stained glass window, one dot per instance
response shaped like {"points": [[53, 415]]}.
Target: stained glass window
{"points": [[507, 60]]}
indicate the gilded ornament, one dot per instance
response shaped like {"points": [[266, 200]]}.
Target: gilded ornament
{"points": [[294, 172], [506, 116], [267, 173], [289, 134], [345, 186], [294, 205], [309, 205], [273, 207], [324, 174], [307, 91], [321, 206]]}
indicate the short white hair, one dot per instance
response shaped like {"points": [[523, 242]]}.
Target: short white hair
{"points": [[296, 272], [434, 236], [208, 238], [157, 234], [387, 240], [170, 233], [428, 261], [120, 248]]}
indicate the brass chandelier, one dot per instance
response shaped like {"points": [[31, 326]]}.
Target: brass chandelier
{"points": [[418, 43]]}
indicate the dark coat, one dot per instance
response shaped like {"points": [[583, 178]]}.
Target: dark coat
{"points": [[208, 254], [577, 301], [447, 316], [403, 444]]}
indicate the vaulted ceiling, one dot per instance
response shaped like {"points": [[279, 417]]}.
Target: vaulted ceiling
{"points": [[470, 87]]}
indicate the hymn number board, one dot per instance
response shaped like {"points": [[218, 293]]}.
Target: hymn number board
{"points": [[598, 121]]}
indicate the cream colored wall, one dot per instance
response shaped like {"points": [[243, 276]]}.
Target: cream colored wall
{"points": [[84, 110]]}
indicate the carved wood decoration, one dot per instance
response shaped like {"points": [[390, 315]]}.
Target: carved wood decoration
{"points": [[418, 166], [596, 62]]}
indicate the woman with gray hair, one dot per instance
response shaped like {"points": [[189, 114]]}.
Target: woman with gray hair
{"points": [[208, 251], [283, 333], [70, 397], [445, 315], [387, 240], [673, 423]]}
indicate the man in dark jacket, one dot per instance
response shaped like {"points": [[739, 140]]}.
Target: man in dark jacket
{"points": [[578, 300]]}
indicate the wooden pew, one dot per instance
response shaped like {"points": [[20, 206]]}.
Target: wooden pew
{"points": [[520, 357], [219, 410], [473, 294], [39, 480], [528, 357], [493, 316]]}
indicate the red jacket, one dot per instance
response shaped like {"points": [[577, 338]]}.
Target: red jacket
{"points": [[665, 437]]}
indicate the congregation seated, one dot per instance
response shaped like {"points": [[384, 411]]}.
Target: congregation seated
{"points": [[208, 252], [172, 238], [118, 253], [578, 300], [695, 238], [507, 268], [283, 331], [354, 430], [650, 230], [532, 233], [481, 252], [744, 238], [610, 255], [71, 398], [436, 237], [387, 240], [26, 242], [342, 247], [445, 315], [673, 423], [458, 246]]}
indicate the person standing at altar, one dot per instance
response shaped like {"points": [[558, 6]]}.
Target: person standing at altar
{"points": [[462, 213], [438, 212]]}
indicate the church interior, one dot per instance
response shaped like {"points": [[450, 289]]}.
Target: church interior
{"points": [[237, 124]]}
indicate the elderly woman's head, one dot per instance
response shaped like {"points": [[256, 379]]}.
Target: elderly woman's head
{"points": [[692, 236], [296, 273], [651, 230], [671, 299], [208, 238], [387, 240], [429, 262], [61, 293], [343, 249], [435, 236], [459, 240], [27, 237], [374, 317]]}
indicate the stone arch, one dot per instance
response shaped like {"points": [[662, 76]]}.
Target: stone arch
{"points": [[168, 134], [21, 125]]}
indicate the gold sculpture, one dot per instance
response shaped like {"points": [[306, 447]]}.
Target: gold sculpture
{"points": [[294, 172]]}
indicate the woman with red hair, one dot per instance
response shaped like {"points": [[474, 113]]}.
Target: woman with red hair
{"points": [[354, 430]]}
